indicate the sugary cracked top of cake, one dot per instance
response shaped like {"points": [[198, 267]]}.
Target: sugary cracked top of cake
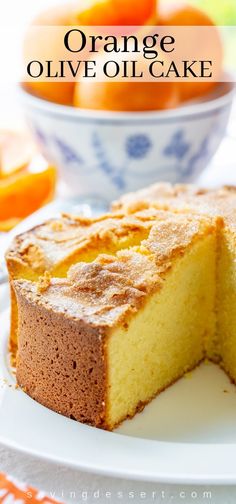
{"points": [[104, 292], [182, 198], [49, 244]]}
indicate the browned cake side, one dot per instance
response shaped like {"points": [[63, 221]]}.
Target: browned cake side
{"points": [[61, 361]]}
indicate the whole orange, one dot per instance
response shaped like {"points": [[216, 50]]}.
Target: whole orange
{"points": [[125, 95], [183, 14], [59, 92]]}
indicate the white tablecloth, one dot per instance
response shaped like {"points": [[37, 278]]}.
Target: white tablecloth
{"points": [[72, 486]]}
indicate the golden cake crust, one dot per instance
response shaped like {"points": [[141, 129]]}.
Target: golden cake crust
{"points": [[51, 243], [106, 290], [219, 202]]}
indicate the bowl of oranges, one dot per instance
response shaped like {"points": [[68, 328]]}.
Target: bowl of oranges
{"points": [[110, 137]]}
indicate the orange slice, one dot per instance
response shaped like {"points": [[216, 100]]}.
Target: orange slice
{"points": [[23, 193]]}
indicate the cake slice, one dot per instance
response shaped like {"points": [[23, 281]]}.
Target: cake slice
{"points": [[101, 343]]}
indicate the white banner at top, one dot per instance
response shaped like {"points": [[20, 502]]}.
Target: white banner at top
{"points": [[117, 53]]}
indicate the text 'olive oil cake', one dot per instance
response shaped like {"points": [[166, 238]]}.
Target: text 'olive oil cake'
{"points": [[108, 312]]}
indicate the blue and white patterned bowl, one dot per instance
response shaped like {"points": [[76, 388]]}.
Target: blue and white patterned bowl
{"points": [[103, 154]]}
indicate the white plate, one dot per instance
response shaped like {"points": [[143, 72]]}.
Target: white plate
{"points": [[186, 435]]}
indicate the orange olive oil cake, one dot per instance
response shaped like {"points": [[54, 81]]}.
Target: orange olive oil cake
{"points": [[108, 312]]}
